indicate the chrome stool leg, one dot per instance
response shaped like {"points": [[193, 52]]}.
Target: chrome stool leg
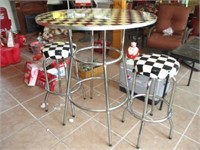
{"points": [[144, 112], [154, 95], [156, 67], [170, 107], [108, 111], [129, 103], [47, 86]]}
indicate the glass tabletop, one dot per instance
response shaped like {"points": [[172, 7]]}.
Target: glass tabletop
{"points": [[189, 50], [96, 19]]}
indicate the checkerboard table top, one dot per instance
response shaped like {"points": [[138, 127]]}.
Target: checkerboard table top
{"points": [[96, 19], [156, 66]]}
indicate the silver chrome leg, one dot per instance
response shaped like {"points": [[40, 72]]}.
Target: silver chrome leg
{"points": [[170, 109], [92, 60], [144, 111], [69, 78], [106, 90], [47, 86], [45, 101], [171, 127], [129, 103], [154, 96], [59, 75], [139, 134], [78, 78]]}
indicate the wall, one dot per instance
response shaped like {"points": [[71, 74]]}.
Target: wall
{"points": [[192, 3], [7, 5]]}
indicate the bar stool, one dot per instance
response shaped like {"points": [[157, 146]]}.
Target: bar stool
{"points": [[156, 67], [57, 52]]}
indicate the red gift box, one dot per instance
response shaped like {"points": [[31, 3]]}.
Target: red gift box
{"points": [[41, 80], [100, 43], [5, 22], [9, 55], [30, 73]]}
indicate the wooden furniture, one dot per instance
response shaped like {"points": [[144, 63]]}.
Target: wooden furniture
{"points": [[27, 9], [175, 21]]}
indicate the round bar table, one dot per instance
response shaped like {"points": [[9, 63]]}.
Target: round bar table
{"points": [[96, 19]]}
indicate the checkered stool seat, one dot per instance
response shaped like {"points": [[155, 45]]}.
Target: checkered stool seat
{"points": [[156, 66], [57, 50]]}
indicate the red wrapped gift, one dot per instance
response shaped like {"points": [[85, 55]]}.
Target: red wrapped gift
{"points": [[53, 68], [9, 55], [30, 73], [100, 43], [20, 39], [5, 22], [41, 80]]}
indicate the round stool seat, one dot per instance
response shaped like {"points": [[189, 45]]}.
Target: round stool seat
{"points": [[156, 66], [57, 50]]}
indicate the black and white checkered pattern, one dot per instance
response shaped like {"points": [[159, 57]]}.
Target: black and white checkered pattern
{"points": [[94, 17], [57, 50], [156, 66]]}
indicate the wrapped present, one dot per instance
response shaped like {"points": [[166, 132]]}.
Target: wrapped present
{"points": [[20, 39], [30, 73], [100, 43], [41, 80], [35, 47], [60, 69], [5, 21], [9, 55]]}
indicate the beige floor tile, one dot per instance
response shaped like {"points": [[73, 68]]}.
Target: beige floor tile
{"points": [[13, 82], [54, 122], [193, 88], [18, 132], [6, 101], [14, 120], [198, 113], [154, 136], [187, 144], [33, 137], [124, 145], [34, 105], [193, 131], [114, 91], [8, 72], [25, 92], [59, 146], [195, 75], [118, 126], [187, 100], [90, 136], [97, 102], [181, 119], [182, 72]]}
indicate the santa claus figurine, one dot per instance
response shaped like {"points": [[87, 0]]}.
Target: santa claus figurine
{"points": [[133, 51]]}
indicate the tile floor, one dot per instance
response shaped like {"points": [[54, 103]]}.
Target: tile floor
{"points": [[24, 125]]}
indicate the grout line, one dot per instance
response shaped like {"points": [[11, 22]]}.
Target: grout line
{"points": [[192, 139], [77, 128], [184, 109], [36, 119], [187, 91], [123, 137], [186, 128]]}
